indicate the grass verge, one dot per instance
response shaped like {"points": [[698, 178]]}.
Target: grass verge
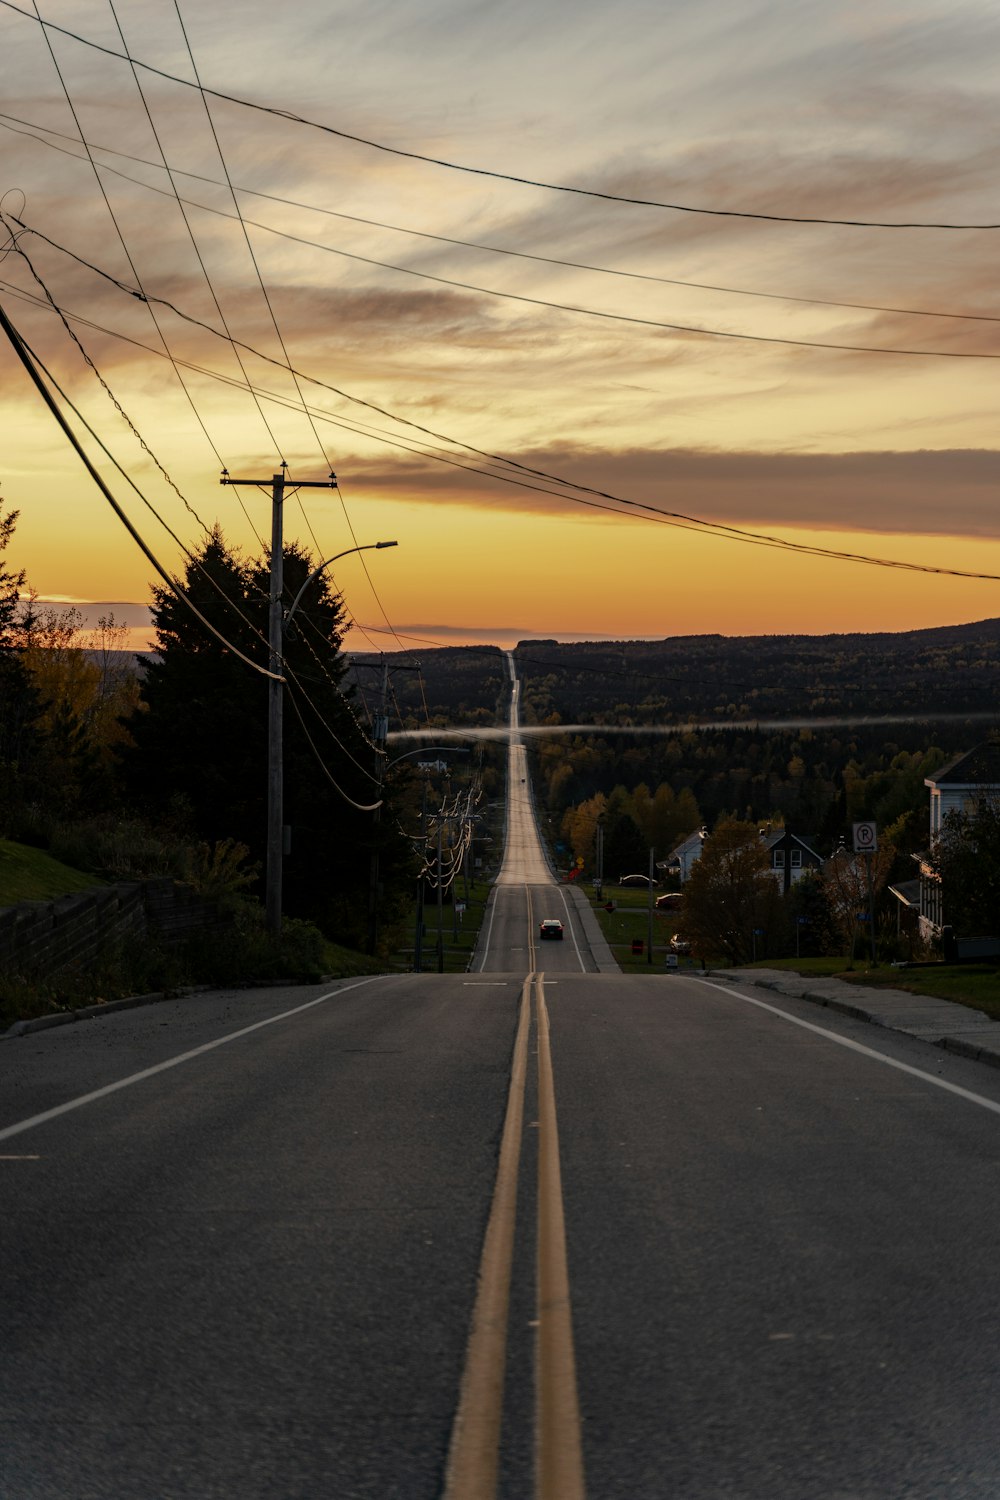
{"points": [[975, 985], [458, 934], [29, 874]]}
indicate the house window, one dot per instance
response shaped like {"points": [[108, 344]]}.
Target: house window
{"points": [[779, 859], [796, 859]]}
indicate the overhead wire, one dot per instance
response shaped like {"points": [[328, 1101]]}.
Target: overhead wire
{"points": [[113, 216], [192, 558], [294, 678], [46, 27], [444, 239], [618, 505], [665, 325], [360, 806], [195, 562], [166, 167], [89, 361], [267, 299], [364, 564], [494, 174], [36, 368], [257, 271]]}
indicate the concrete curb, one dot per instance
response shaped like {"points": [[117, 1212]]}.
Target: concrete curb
{"points": [[954, 1028], [90, 1012]]}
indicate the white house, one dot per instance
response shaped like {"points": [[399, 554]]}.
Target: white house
{"points": [[954, 788], [957, 785], [680, 860]]}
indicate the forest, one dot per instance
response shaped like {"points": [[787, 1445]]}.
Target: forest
{"points": [[815, 732]]}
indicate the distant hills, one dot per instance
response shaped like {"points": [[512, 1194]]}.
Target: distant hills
{"points": [[928, 675]]}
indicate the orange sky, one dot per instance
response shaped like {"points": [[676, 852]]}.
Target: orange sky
{"points": [[733, 106]]}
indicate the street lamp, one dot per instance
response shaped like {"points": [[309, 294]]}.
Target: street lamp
{"points": [[368, 547], [278, 623]]}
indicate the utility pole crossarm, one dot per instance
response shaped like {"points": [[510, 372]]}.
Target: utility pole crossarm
{"points": [[293, 484]]}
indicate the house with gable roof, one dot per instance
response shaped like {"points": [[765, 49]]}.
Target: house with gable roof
{"points": [[791, 856], [679, 861]]}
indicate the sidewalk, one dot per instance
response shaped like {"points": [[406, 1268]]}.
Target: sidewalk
{"points": [[956, 1028], [596, 941]]}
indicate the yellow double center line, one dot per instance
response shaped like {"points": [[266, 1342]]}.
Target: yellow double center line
{"points": [[473, 1455]]}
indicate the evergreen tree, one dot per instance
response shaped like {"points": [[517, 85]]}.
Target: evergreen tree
{"points": [[201, 735]]}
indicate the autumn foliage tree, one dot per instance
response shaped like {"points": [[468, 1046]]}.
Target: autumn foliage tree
{"points": [[16, 699], [729, 893], [854, 883]]}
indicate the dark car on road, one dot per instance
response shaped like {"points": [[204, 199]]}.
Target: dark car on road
{"points": [[551, 927], [636, 880]]}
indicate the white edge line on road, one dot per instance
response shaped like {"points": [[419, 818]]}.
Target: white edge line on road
{"points": [[843, 1041], [172, 1062], [489, 930], [569, 924]]}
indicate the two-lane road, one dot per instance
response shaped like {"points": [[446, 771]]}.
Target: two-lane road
{"points": [[530, 1231]]}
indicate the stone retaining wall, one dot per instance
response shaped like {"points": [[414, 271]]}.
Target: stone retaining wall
{"points": [[38, 939]]}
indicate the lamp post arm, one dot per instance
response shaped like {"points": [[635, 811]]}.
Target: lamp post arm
{"points": [[369, 547], [426, 750]]}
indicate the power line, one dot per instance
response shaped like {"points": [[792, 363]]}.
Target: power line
{"points": [[591, 312], [192, 558], [113, 398], [453, 166], [114, 218], [195, 562], [45, 25], [33, 365], [605, 500], [444, 239], [360, 806], [246, 236], [364, 565]]}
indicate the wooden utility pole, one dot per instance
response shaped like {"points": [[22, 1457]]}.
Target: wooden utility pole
{"points": [[276, 688]]}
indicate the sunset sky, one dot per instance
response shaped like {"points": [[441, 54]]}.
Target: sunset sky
{"points": [[712, 404]]}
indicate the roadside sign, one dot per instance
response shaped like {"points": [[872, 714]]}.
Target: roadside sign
{"points": [[865, 838], [672, 960], [460, 908]]}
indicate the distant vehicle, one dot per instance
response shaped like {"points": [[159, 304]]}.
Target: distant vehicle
{"points": [[679, 944], [636, 880], [551, 927], [669, 901]]}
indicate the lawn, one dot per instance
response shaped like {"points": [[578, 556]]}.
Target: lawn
{"points": [[629, 921], [976, 985], [458, 933], [28, 874]]}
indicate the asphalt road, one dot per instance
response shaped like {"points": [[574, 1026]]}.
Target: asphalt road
{"points": [[529, 1231]]}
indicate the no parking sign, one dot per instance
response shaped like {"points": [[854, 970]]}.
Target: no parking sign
{"points": [[865, 838]]}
